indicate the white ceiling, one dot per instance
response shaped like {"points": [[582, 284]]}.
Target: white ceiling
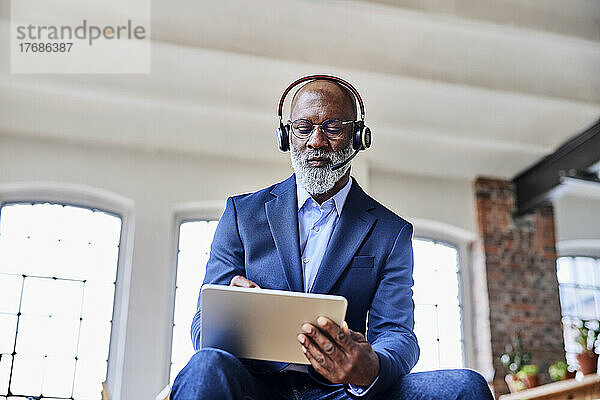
{"points": [[452, 88]]}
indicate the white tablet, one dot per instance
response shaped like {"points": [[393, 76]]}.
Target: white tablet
{"points": [[263, 324]]}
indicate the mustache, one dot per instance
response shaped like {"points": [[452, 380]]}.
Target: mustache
{"points": [[316, 153]]}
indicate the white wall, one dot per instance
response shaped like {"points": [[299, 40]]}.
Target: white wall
{"points": [[159, 184], [577, 218], [449, 201]]}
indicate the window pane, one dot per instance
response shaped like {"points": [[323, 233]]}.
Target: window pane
{"points": [[98, 301], [564, 271], [180, 353], [27, 375], [585, 304], [52, 297], [58, 267], [102, 263], [185, 308], [5, 363], [10, 293], [584, 271], [450, 337], [41, 335], [567, 300], [94, 340], [8, 326], [13, 251], [427, 333], [195, 238], [89, 375], [58, 377]]}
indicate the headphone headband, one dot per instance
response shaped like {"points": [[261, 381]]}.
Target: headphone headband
{"points": [[330, 78]]}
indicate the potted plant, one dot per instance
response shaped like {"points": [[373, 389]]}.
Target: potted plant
{"points": [[514, 384], [529, 375], [587, 336], [559, 371], [513, 360]]}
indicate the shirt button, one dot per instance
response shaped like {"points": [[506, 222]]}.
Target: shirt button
{"points": [[305, 260], [316, 229]]}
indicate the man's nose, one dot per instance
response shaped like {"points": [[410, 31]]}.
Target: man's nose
{"points": [[317, 139]]}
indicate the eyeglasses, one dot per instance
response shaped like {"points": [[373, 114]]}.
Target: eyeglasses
{"points": [[332, 128]]}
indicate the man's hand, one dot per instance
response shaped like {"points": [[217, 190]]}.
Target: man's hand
{"points": [[241, 281], [339, 354]]}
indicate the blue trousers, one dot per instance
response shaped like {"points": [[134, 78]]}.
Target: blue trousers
{"points": [[216, 374]]}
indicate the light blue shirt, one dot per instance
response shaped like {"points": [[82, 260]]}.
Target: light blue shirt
{"points": [[315, 227]]}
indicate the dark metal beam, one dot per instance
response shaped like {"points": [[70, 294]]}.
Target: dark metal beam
{"points": [[573, 159]]}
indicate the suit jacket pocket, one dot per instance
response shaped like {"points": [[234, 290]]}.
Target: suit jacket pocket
{"points": [[362, 262]]}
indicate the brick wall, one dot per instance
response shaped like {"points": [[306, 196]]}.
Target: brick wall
{"points": [[519, 262]]}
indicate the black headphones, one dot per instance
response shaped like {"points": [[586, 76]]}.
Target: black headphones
{"points": [[361, 136]]}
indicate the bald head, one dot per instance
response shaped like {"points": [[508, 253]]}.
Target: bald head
{"points": [[337, 96]]}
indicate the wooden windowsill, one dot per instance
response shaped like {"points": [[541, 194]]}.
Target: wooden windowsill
{"points": [[558, 389]]}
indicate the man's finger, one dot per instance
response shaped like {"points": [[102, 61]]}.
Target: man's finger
{"points": [[339, 335], [326, 346], [320, 362], [345, 327], [314, 363], [324, 343], [241, 281], [357, 337]]}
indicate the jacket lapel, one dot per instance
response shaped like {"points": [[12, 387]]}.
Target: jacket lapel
{"points": [[282, 214], [350, 231]]}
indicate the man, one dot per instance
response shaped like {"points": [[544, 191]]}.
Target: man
{"points": [[319, 232]]}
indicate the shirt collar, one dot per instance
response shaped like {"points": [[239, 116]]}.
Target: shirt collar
{"points": [[339, 199]]}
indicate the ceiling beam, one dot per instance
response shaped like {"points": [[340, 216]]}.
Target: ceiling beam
{"points": [[572, 160]]}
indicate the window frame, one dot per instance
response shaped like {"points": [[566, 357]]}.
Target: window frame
{"points": [[89, 197]]}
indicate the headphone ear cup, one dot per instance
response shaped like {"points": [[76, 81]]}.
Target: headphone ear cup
{"points": [[283, 137], [366, 137], [357, 136], [361, 139]]}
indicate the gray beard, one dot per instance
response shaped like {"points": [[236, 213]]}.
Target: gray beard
{"points": [[319, 180]]}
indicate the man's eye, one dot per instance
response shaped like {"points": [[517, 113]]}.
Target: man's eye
{"points": [[334, 126], [304, 127]]}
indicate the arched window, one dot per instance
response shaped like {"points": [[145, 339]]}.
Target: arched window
{"points": [[438, 309], [58, 269]]}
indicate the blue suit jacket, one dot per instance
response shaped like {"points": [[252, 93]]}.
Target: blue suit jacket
{"points": [[368, 261]]}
